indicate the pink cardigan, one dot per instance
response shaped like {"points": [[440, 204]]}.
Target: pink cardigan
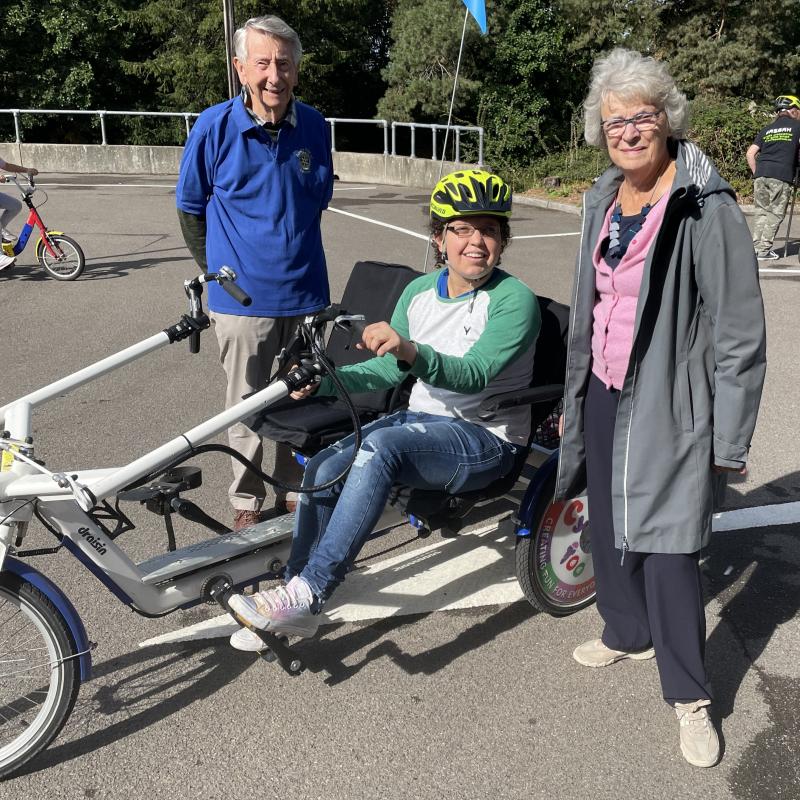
{"points": [[617, 293]]}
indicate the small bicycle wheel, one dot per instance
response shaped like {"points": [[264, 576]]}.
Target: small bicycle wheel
{"points": [[39, 675], [69, 261], [554, 563]]}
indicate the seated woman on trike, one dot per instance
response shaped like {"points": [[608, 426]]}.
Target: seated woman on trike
{"points": [[464, 331]]}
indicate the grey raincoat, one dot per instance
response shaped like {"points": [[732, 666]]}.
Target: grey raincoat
{"points": [[693, 385]]}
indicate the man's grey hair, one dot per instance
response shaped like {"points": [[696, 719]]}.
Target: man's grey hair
{"points": [[271, 26], [630, 76]]}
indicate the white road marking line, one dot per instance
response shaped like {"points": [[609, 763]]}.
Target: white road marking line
{"points": [[545, 235], [382, 224], [172, 186], [778, 271], [443, 575], [113, 185], [756, 517], [450, 574]]}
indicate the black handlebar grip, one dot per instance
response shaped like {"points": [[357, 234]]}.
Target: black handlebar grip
{"points": [[357, 327], [194, 342], [236, 293]]}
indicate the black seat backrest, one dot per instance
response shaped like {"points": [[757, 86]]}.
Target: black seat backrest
{"points": [[373, 290]]}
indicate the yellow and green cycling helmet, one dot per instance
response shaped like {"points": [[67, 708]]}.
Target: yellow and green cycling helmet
{"points": [[786, 101], [470, 192]]}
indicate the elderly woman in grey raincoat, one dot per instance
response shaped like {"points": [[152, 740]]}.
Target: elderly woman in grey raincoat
{"points": [[664, 375]]}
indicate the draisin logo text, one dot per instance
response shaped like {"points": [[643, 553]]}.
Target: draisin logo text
{"points": [[93, 541]]}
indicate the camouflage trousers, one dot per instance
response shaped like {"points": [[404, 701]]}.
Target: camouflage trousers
{"points": [[771, 196]]}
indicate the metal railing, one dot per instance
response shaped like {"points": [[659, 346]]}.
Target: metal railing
{"points": [[101, 114], [457, 130], [333, 121]]}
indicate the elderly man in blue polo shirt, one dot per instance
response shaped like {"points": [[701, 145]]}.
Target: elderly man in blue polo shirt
{"points": [[255, 177]]}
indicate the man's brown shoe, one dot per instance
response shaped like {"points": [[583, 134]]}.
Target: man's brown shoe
{"points": [[245, 518]]}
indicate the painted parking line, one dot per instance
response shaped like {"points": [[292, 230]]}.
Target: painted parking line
{"points": [[756, 517], [111, 185], [470, 571], [425, 237], [415, 234], [172, 186], [778, 271], [545, 235]]}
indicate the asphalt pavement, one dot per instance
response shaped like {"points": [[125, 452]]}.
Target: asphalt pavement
{"points": [[482, 700]]}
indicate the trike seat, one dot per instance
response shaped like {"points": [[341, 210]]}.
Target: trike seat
{"points": [[436, 509], [310, 425]]}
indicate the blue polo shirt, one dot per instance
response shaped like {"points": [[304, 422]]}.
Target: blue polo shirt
{"points": [[262, 200]]}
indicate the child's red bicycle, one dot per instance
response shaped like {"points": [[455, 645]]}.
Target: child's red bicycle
{"points": [[60, 255]]}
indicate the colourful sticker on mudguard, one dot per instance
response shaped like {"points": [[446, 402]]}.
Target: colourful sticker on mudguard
{"points": [[563, 554]]}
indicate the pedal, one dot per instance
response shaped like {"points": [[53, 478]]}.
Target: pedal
{"points": [[220, 589]]}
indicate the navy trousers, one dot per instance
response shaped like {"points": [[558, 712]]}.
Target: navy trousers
{"points": [[650, 598]]}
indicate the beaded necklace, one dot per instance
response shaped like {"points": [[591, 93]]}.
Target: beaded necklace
{"points": [[618, 245]]}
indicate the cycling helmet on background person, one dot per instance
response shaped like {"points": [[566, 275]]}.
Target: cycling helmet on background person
{"points": [[470, 192], [786, 101]]}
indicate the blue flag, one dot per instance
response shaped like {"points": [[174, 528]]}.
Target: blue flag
{"points": [[478, 10]]}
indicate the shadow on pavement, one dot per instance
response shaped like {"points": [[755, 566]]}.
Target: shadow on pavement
{"points": [[139, 689]]}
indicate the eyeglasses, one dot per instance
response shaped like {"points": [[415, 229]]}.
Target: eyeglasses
{"points": [[465, 231], [646, 121]]}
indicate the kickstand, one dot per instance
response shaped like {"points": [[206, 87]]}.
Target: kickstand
{"points": [[221, 589]]}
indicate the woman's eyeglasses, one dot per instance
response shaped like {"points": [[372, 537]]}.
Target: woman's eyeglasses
{"points": [[646, 121], [464, 231]]}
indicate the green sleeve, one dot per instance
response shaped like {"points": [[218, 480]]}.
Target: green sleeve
{"points": [[380, 372], [193, 228], [511, 330]]}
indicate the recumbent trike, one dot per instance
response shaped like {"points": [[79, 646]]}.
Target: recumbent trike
{"points": [[45, 651]]}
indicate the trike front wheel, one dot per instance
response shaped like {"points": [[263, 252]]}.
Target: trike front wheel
{"points": [[39, 674], [66, 262], [554, 555]]}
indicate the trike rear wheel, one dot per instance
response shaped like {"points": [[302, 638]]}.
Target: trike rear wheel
{"points": [[39, 674], [68, 262], [554, 560]]}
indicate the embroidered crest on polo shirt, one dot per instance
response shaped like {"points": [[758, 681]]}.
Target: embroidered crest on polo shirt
{"points": [[304, 159]]}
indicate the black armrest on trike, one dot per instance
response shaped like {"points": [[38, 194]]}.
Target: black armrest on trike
{"points": [[535, 394]]}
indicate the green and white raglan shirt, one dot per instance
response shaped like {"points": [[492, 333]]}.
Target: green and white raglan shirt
{"points": [[468, 348]]}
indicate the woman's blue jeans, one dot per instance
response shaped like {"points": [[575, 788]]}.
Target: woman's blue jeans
{"points": [[422, 451]]}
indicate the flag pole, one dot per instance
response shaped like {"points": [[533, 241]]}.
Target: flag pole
{"points": [[449, 118]]}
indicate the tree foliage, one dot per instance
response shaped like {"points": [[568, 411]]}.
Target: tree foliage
{"points": [[422, 63], [343, 43], [523, 82]]}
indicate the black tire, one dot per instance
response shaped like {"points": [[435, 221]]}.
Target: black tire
{"points": [[69, 265], [36, 698], [542, 574]]}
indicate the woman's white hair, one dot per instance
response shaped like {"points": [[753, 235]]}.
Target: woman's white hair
{"points": [[271, 26], [630, 76]]}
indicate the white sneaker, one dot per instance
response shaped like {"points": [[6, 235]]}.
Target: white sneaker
{"points": [[595, 654], [247, 641], [699, 740], [285, 609], [8, 236], [6, 261]]}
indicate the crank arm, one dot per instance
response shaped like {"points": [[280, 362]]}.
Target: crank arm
{"points": [[220, 589]]}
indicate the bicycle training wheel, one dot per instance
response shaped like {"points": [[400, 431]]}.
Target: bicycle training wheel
{"points": [[554, 563], [39, 676], [70, 261]]}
